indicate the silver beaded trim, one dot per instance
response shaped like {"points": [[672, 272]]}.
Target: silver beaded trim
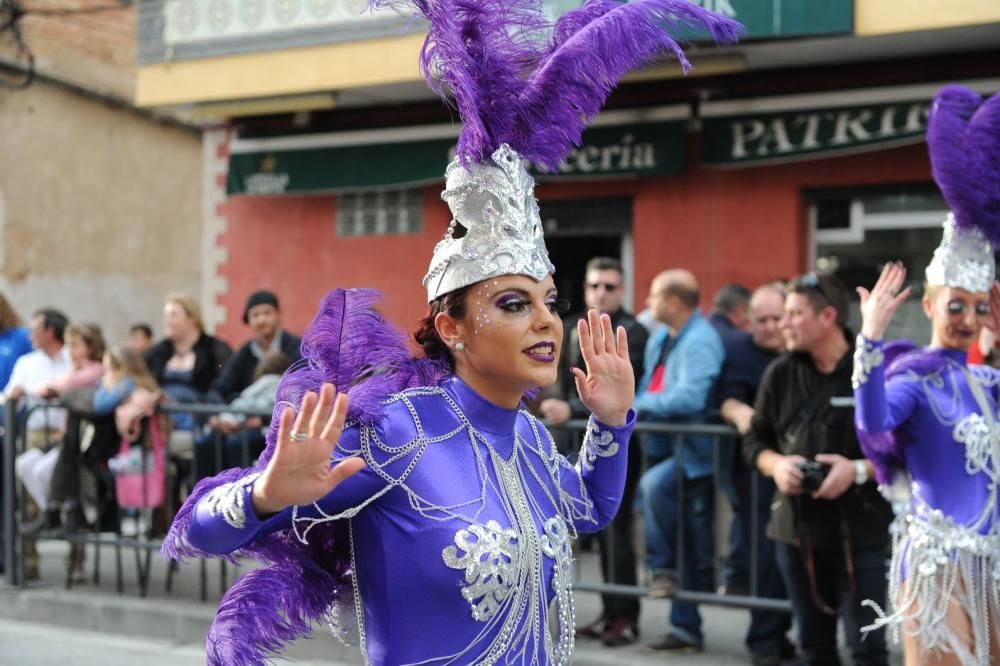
{"points": [[596, 444], [868, 355], [229, 501]]}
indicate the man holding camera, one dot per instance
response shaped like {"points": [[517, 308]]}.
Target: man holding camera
{"points": [[828, 519]]}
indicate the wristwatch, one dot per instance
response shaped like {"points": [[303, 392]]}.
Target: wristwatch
{"points": [[860, 472]]}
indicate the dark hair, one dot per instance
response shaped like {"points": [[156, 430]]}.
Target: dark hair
{"points": [[272, 364], [53, 320], [8, 315], [426, 335], [91, 336], [731, 296], [146, 329], [822, 291], [605, 264]]}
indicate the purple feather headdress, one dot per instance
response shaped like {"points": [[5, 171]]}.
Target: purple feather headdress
{"points": [[963, 138], [518, 79]]}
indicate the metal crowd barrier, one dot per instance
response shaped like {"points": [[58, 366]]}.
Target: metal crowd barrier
{"points": [[143, 544], [14, 441], [719, 434]]}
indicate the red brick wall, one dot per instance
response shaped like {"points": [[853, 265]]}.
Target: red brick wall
{"points": [[96, 50], [746, 225]]}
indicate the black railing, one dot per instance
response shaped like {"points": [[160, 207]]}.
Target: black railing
{"points": [[143, 544]]}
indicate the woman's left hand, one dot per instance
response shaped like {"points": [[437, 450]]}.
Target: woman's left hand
{"points": [[608, 387]]}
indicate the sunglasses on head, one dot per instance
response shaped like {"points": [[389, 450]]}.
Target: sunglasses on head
{"points": [[608, 286], [811, 281]]}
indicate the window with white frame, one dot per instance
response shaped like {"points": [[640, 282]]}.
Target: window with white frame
{"points": [[380, 213], [854, 233]]}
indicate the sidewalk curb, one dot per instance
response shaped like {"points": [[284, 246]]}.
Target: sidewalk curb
{"points": [[180, 622]]}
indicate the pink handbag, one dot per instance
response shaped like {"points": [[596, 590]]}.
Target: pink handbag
{"points": [[141, 480]]}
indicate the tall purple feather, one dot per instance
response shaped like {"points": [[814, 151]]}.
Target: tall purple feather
{"points": [[351, 345], [518, 79], [963, 137]]}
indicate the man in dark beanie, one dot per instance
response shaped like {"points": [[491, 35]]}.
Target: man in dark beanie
{"points": [[263, 315]]}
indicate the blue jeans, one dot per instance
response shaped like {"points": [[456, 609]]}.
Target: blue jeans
{"points": [[817, 630], [694, 566]]}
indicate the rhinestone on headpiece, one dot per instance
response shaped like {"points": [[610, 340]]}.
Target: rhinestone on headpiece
{"points": [[494, 202], [963, 260]]}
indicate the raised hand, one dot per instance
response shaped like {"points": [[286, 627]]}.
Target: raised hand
{"points": [[880, 304], [608, 387], [299, 472]]}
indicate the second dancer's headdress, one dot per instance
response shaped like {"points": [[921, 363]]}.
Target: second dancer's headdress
{"points": [[963, 137]]}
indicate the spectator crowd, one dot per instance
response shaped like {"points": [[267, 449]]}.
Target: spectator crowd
{"points": [[95, 439]]}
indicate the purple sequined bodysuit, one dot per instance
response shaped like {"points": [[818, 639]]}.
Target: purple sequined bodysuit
{"points": [[928, 422], [459, 527]]}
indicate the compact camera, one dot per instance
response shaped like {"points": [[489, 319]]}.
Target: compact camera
{"points": [[813, 474]]}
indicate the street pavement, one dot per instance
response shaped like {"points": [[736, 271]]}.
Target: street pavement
{"points": [[34, 644]]}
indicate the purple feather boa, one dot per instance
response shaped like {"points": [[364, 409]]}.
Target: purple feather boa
{"points": [[518, 79], [901, 357], [963, 137], [352, 345]]}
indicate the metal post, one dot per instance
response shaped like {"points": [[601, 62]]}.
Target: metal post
{"points": [[8, 481]]}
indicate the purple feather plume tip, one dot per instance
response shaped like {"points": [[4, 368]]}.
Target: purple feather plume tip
{"points": [[520, 80], [963, 137]]}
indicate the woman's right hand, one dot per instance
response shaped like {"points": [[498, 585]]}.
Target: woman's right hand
{"points": [[880, 304], [299, 473]]}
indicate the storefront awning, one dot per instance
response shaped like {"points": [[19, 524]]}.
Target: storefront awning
{"points": [[625, 144], [755, 132]]}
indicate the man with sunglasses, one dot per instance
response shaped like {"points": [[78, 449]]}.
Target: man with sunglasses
{"points": [[604, 290], [830, 525]]}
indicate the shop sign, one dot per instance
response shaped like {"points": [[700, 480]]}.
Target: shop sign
{"points": [[608, 151], [748, 139]]}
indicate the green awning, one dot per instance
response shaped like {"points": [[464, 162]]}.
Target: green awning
{"points": [[314, 164]]}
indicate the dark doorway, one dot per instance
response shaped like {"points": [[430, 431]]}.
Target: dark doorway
{"points": [[578, 230]]}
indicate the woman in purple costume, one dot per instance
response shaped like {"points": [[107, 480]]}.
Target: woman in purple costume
{"points": [[422, 501], [928, 421]]}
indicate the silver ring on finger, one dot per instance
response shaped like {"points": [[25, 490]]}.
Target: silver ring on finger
{"points": [[299, 436]]}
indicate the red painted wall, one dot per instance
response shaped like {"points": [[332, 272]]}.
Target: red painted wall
{"points": [[290, 245], [744, 225]]}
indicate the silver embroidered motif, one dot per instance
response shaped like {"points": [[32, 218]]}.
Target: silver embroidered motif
{"points": [[867, 356], [975, 434], [596, 444], [490, 558], [494, 201], [229, 501]]}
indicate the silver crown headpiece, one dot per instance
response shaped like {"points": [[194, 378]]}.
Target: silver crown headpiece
{"points": [[494, 202], [964, 259]]}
